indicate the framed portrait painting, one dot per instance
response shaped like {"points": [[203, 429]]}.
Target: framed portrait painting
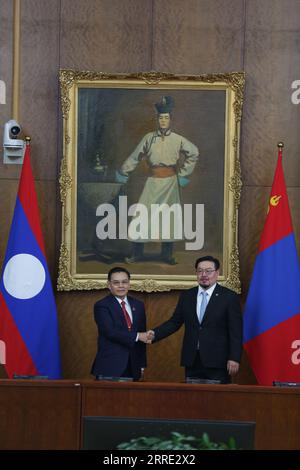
{"points": [[150, 177]]}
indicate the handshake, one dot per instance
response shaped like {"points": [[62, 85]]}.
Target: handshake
{"points": [[146, 337]]}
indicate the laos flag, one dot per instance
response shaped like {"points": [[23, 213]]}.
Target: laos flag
{"points": [[272, 311], [28, 320]]}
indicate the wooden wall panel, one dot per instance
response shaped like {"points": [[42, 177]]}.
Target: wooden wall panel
{"points": [[78, 332], [107, 35], [272, 63], [46, 195], [253, 211], [198, 36], [39, 83]]}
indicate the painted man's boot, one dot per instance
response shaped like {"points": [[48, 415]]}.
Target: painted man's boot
{"points": [[137, 253], [167, 252]]}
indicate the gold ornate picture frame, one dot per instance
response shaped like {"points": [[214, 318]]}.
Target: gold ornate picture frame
{"points": [[116, 152]]}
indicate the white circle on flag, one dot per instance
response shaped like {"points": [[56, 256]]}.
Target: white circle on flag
{"points": [[24, 276]]}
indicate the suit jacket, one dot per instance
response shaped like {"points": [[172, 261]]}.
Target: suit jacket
{"points": [[115, 343], [220, 333]]}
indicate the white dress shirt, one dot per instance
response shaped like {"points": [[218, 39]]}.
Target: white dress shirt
{"points": [[127, 306]]}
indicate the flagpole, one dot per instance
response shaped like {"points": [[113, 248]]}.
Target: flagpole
{"points": [[28, 140]]}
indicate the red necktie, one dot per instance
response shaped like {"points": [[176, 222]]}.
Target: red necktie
{"points": [[126, 315]]}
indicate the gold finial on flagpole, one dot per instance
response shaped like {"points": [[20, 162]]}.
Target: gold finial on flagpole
{"points": [[27, 139], [280, 145]]}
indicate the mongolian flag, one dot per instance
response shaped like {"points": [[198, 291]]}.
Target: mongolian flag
{"points": [[28, 319], [272, 311]]}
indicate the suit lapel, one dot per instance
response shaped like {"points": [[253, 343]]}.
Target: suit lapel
{"points": [[118, 309], [213, 301], [133, 307], [193, 302]]}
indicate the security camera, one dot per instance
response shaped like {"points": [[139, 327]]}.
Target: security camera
{"points": [[11, 130], [13, 148]]}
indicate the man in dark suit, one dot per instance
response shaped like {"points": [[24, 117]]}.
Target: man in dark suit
{"points": [[121, 322], [211, 314]]}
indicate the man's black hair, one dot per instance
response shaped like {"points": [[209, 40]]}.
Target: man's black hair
{"points": [[117, 269], [208, 258]]}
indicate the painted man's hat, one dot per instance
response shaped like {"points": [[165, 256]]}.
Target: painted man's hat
{"points": [[165, 105]]}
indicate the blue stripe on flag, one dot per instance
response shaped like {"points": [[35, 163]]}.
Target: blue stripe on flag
{"points": [[274, 294]]}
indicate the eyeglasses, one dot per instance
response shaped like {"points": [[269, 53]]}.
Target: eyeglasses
{"points": [[205, 271], [120, 283]]}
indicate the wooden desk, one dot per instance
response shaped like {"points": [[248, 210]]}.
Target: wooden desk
{"points": [[40, 414], [276, 411], [47, 414]]}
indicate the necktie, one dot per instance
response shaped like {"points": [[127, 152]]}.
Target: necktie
{"points": [[126, 315], [203, 306]]}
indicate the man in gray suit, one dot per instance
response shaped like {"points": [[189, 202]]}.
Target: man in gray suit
{"points": [[211, 314]]}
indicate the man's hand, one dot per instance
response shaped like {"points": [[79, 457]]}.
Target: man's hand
{"points": [[183, 181], [120, 178], [145, 337], [232, 367], [151, 335]]}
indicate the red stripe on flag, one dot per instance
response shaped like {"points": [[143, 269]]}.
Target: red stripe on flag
{"points": [[28, 199], [17, 357], [278, 223], [275, 354]]}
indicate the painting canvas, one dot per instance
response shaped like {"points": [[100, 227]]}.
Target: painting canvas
{"points": [[150, 177]]}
